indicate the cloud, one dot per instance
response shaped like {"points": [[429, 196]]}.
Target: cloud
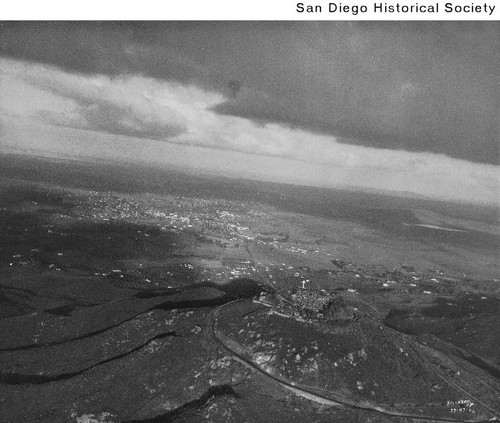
{"points": [[132, 106], [96, 109], [423, 87]]}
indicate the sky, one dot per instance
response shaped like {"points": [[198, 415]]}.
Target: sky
{"points": [[395, 106]]}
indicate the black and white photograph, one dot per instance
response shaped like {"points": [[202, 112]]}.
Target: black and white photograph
{"points": [[250, 221]]}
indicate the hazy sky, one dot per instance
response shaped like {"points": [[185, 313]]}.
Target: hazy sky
{"points": [[396, 106]]}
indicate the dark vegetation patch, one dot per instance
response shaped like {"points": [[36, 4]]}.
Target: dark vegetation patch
{"points": [[466, 304], [112, 240], [469, 321], [31, 239], [37, 379], [64, 310], [191, 406], [232, 290], [34, 195]]}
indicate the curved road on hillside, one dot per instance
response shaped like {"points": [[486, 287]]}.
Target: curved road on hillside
{"points": [[303, 391]]}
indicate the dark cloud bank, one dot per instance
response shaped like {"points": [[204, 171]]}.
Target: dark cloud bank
{"points": [[413, 86]]}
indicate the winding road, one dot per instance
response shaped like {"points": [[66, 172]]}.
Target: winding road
{"points": [[310, 393]]}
